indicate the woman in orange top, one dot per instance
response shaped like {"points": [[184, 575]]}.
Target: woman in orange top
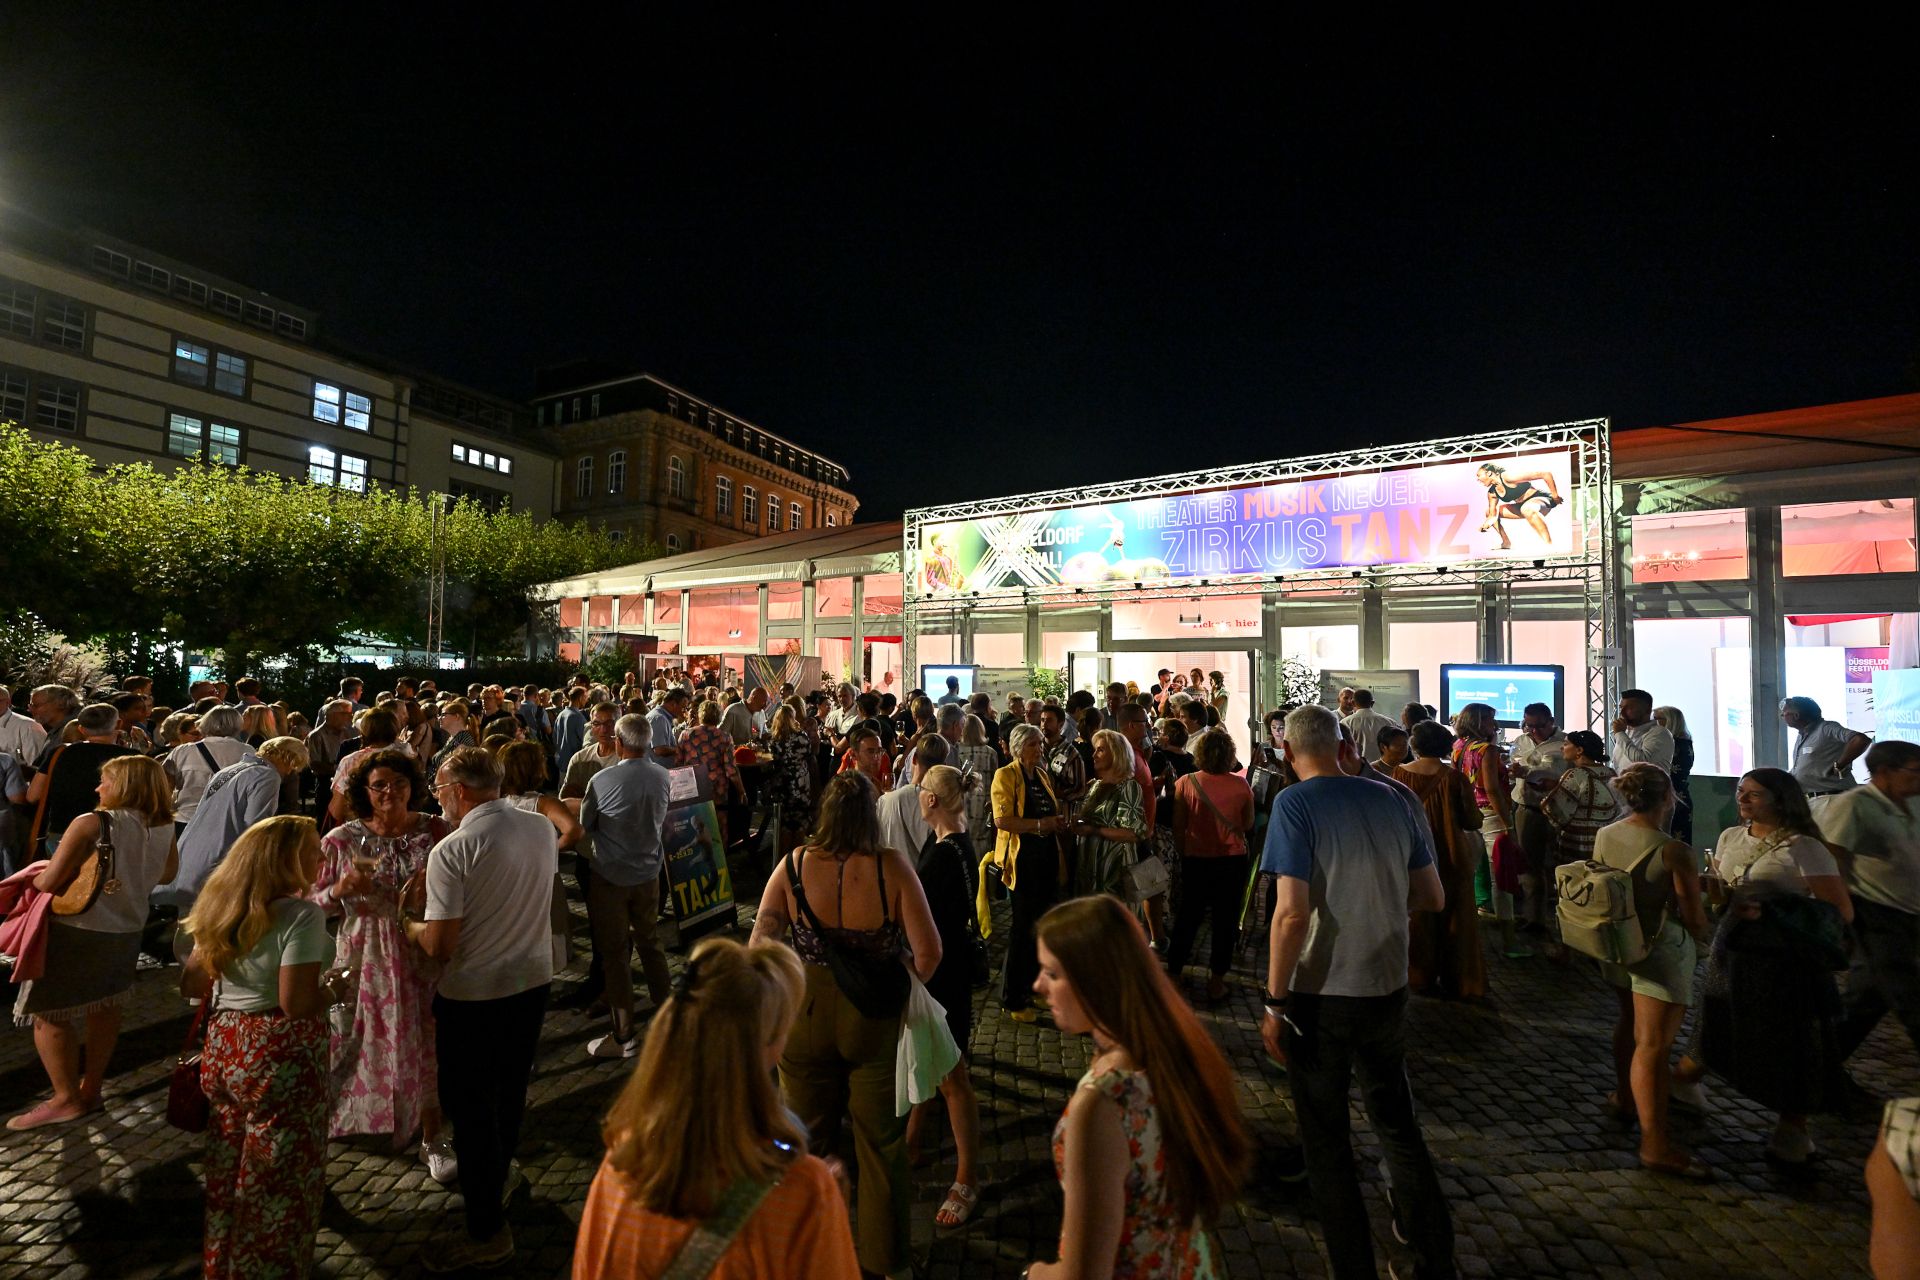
{"points": [[700, 1137]]}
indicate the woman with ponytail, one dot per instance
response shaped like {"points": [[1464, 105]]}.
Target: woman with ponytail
{"points": [[1152, 1146]]}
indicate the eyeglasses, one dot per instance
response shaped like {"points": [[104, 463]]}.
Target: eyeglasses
{"points": [[386, 788], [438, 787]]}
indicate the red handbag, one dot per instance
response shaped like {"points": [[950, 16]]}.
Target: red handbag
{"points": [[187, 1106]]}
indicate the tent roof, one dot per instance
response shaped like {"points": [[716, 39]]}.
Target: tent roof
{"points": [[780, 557]]}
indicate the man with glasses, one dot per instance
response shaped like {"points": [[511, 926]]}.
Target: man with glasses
{"points": [[481, 906], [20, 736], [1877, 839]]}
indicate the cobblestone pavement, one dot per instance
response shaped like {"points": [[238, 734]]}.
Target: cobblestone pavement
{"points": [[1540, 1183]]}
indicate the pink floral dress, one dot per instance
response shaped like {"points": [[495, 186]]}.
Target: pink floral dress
{"points": [[1153, 1245], [384, 1070]]}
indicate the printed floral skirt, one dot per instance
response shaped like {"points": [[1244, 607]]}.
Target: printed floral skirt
{"points": [[266, 1076]]}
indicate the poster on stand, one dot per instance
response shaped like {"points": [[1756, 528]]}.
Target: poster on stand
{"points": [[698, 877]]}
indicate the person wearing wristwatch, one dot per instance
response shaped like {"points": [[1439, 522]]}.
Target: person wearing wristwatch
{"points": [[1345, 848]]}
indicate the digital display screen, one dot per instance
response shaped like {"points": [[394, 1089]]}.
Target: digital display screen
{"points": [[1506, 687], [934, 680]]}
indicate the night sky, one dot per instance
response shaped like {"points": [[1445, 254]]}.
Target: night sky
{"points": [[989, 258]]}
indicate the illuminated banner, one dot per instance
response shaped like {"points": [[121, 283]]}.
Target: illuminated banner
{"points": [[1511, 507]]}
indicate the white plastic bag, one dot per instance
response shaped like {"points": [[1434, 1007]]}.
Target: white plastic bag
{"points": [[927, 1050]]}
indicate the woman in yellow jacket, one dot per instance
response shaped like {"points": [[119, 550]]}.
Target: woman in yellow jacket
{"points": [[1028, 858]]}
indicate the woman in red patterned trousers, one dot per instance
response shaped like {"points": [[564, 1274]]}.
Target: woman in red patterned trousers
{"points": [[259, 947]]}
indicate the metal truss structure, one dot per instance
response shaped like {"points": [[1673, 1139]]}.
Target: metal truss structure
{"points": [[1594, 569]]}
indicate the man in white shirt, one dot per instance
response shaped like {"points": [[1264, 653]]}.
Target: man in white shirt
{"points": [[844, 716], [482, 906], [1536, 762], [1637, 737], [1365, 725], [901, 825], [1877, 839], [1823, 751], [20, 735]]}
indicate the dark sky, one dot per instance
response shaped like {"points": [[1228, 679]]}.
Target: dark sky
{"points": [[988, 258]]}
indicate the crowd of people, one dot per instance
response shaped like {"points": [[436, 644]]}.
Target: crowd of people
{"points": [[371, 915]]}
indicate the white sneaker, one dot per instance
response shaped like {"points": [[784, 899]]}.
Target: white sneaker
{"points": [[1790, 1145], [608, 1046], [1688, 1097], [442, 1167]]}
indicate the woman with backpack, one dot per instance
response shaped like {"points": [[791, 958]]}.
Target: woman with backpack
{"points": [[1655, 990]]}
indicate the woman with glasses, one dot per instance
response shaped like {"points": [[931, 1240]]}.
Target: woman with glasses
{"points": [[384, 1077]]}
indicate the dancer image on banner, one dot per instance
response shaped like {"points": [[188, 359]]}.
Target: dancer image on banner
{"points": [[1517, 497]]}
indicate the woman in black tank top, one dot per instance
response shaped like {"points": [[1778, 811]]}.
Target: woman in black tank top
{"points": [[1525, 497]]}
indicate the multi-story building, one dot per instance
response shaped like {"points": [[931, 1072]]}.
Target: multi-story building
{"points": [[132, 356], [656, 463]]}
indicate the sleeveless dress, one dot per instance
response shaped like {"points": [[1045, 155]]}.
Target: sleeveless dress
{"points": [[1153, 1245]]}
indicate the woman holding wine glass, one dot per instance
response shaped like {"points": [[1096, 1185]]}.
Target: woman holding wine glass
{"points": [[384, 1075]]}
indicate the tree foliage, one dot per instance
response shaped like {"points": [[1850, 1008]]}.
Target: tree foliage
{"points": [[250, 564]]}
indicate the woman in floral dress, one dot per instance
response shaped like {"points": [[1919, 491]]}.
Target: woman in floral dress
{"points": [[383, 1070], [1152, 1146], [789, 781]]}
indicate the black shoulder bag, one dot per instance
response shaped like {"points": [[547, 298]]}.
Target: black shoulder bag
{"points": [[877, 985]]}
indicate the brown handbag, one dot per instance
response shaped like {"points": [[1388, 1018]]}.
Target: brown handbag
{"points": [[187, 1105], [94, 877]]}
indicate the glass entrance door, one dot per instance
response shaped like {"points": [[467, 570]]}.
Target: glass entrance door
{"points": [[1238, 668]]}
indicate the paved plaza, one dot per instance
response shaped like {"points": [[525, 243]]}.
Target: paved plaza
{"points": [[1540, 1183]]}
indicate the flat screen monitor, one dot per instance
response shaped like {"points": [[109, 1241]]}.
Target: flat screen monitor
{"points": [[934, 680], [1507, 687]]}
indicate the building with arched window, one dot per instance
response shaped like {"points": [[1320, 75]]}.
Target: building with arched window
{"points": [[681, 472]]}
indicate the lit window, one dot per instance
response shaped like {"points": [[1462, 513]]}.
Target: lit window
{"points": [[676, 477], [723, 496], [223, 444], [491, 461], [583, 478], [13, 396], [506, 466], [227, 304], [353, 473], [773, 511], [63, 324], [148, 276], [57, 407], [183, 436], [359, 412], [593, 409], [793, 515], [230, 374], [190, 361], [749, 505], [459, 453], [617, 471], [320, 465], [16, 310], [326, 402], [832, 521]]}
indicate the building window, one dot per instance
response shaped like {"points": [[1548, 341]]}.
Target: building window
{"points": [[344, 470], [190, 362], [616, 535], [326, 402], [583, 478], [349, 408], [255, 314], [793, 515], [673, 542], [673, 406], [540, 415], [290, 327], [617, 471], [183, 435], [749, 506], [773, 511], [63, 324], [111, 262], [223, 444], [13, 396], [576, 408], [832, 521], [227, 304], [487, 499], [192, 290], [16, 310], [148, 276], [723, 496], [676, 477], [230, 373], [58, 407], [475, 457], [593, 406]]}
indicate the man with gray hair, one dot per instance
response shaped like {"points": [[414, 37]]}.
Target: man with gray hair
{"points": [[53, 707], [481, 905], [1351, 860], [65, 785], [238, 796], [902, 826], [624, 811], [20, 736], [191, 765]]}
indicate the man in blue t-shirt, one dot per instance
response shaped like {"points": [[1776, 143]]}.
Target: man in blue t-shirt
{"points": [[1352, 859]]}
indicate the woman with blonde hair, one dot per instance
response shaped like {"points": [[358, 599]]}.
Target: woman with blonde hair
{"points": [[91, 957], [845, 893], [1027, 856], [1152, 1146], [258, 949], [1114, 819], [257, 724], [742, 1172], [1674, 721], [789, 780]]}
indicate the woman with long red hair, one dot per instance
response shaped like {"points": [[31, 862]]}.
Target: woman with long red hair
{"points": [[1152, 1146]]}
